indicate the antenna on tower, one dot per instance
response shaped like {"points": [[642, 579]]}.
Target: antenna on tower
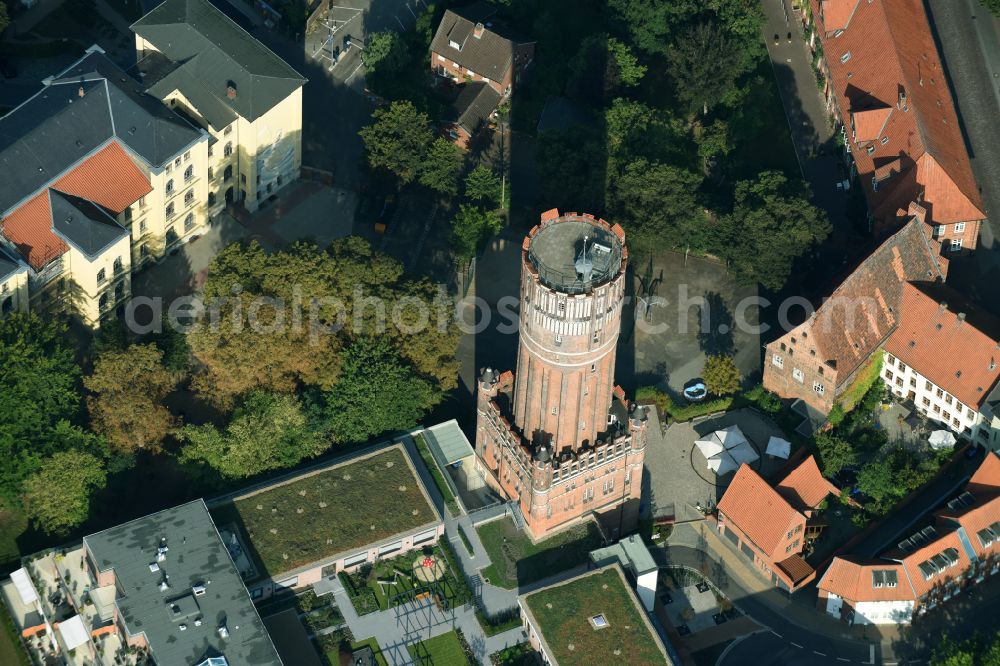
{"points": [[584, 265]]}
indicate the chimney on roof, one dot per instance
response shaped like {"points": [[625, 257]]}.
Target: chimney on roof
{"points": [[902, 105], [942, 306], [479, 30], [231, 90], [961, 317], [81, 92]]}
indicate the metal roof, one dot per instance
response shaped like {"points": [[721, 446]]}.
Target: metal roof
{"points": [[203, 591], [448, 442], [219, 55], [83, 224]]}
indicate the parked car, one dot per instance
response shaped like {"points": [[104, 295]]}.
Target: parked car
{"points": [[385, 213]]}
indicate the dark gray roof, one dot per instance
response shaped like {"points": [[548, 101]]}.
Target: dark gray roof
{"points": [[196, 556], [163, 76], [57, 128], [218, 54], [84, 224], [474, 104], [489, 55], [8, 264]]}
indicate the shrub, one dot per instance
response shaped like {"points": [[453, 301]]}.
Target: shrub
{"points": [[465, 540]]}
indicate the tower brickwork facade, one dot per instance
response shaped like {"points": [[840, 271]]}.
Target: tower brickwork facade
{"points": [[559, 437]]}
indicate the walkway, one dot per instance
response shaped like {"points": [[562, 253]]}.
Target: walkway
{"points": [[807, 115]]}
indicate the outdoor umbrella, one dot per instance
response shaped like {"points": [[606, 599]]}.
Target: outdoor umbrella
{"points": [[778, 447], [744, 453], [731, 436], [942, 439], [710, 446], [722, 464]]}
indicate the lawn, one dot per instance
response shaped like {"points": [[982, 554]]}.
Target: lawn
{"points": [[443, 650], [517, 561], [334, 511], [563, 616], [437, 475], [11, 652]]}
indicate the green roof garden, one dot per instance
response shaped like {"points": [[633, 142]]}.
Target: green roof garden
{"points": [[333, 511], [595, 617]]}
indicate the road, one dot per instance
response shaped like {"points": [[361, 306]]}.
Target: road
{"points": [[967, 37], [784, 635]]}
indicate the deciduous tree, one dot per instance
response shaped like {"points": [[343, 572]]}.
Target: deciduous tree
{"points": [[471, 227], [268, 431], [399, 140], [126, 402], [441, 167], [482, 187], [772, 224], [835, 453], [704, 66], [721, 375], [57, 496]]}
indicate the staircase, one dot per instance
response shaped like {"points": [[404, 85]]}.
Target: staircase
{"points": [[516, 515]]}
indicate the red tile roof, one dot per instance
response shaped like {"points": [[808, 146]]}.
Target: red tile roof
{"points": [[837, 13], [987, 477], [979, 517], [886, 58], [796, 568], [955, 352], [109, 178], [862, 311], [868, 124], [758, 510], [913, 561], [853, 581], [805, 487]]}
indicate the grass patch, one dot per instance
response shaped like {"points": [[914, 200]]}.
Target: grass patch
{"points": [[443, 650], [518, 561], [319, 515], [373, 644], [563, 616], [11, 652], [465, 541], [439, 481]]}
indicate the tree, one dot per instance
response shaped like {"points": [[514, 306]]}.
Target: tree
{"points": [[658, 203], [835, 453], [268, 431], [399, 140], [482, 187], [384, 55], [126, 405], [721, 375], [57, 496], [652, 23], [713, 140], [601, 67], [38, 391], [704, 67], [772, 224], [377, 393], [441, 167], [471, 227], [573, 168], [993, 6]]}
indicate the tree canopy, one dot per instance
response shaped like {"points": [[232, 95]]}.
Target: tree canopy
{"points": [[835, 453], [57, 495], [721, 375], [772, 224], [268, 431], [470, 228], [38, 392], [126, 405], [483, 187]]}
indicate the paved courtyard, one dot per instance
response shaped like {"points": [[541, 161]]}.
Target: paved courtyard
{"points": [[676, 478]]}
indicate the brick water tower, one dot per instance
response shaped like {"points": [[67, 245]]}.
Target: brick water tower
{"points": [[559, 437]]}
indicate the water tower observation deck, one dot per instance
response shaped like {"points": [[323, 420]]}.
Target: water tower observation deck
{"points": [[573, 253]]}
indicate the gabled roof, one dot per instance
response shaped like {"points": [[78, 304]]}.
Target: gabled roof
{"points": [[475, 102], [948, 342], [935, 554], [869, 123], [863, 310], [88, 104], [853, 581], [796, 568], [886, 58], [9, 265], [108, 178], [804, 487], [758, 510], [987, 476], [490, 55], [83, 224], [215, 54]]}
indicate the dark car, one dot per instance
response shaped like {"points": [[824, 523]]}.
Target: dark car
{"points": [[384, 213]]}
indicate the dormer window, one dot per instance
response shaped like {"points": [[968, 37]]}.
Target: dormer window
{"points": [[455, 45], [884, 140], [844, 58]]}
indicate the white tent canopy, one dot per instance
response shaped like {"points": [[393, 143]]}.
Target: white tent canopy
{"points": [[726, 450], [744, 453], [778, 447], [710, 447], [74, 634], [723, 464], [25, 588], [731, 436], [942, 439]]}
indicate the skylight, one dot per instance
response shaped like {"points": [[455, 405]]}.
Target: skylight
{"points": [[599, 621]]}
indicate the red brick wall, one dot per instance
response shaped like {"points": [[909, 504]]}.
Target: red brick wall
{"points": [[459, 72], [792, 352]]}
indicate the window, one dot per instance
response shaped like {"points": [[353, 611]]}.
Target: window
{"points": [[118, 266], [558, 341], [188, 197], [892, 359], [228, 130], [3, 289], [899, 381], [913, 382], [101, 276], [228, 150], [228, 173], [170, 167], [902, 367], [210, 151], [142, 202], [844, 58], [956, 244], [189, 172], [189, 222], [936, 409], [593, 368], [243, 179], [938, 230], [959, 227], [928, 386], [211, 173], [777, 361], [819, 388], [142, 226], [170, 186], [884, 140], [211, 198], [789, 535], [798, 375], [947, 398], [177, 163], [187, 156], [926, 402], [170, 210], [144, 250], [946, 416]]}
